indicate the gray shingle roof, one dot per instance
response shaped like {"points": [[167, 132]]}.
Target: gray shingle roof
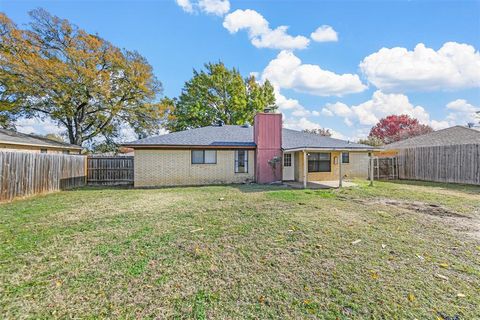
{"points": [[18, 138], [448, 136], [293, 139], [205, 136], [240, 136]]}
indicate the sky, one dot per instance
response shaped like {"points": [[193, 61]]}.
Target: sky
{"points": [[341, 65]]}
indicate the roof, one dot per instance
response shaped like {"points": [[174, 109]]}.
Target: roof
{"points": [[18, 138], [241, 136], [293, 139], [449, 136]]}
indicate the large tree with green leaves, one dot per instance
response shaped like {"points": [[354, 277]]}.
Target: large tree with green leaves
{"points": [[53, 69], [217, 94]]}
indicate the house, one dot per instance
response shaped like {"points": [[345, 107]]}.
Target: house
{"points": [[264, 153], [457, 135], [21, 142]]}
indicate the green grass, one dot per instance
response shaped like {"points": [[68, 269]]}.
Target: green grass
{"points": [[246, 251]]}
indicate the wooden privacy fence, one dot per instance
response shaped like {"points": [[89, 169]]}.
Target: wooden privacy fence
{"points": [[455, 163], [24, 174], [110, 170]]}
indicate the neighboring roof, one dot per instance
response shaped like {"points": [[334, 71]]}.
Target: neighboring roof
{"points": [[18, 138], [241, 136], [448, 136]]}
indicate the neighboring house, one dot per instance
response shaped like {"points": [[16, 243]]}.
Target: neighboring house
{"points": [[21, 142], [456, 135], [451, 155], [263, 153]]}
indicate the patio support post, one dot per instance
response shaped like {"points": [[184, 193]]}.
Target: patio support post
{"points": [[305, 168], [371, 170], [340, 176]]}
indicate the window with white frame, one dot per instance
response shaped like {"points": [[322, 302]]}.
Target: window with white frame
{"points": [[345, 157], [241, 161], [287, 160], [204, 156]]}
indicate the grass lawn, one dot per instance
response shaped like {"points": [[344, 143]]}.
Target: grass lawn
{"points": [[392, 251]]}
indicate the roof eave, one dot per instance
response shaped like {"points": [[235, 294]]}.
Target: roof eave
{"points": [[331, 149], [186, 146], [39, 145]]}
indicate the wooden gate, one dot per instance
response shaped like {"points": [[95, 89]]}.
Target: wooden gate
{"points": [[110, 170]]}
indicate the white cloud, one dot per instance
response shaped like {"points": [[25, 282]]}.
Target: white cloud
{"points": [[216, 7], [453, 66], [287, 71], [324, 34], [259, 32], [38, 126], [381, 105], [461, 112], [186, 5], [304, 123]]}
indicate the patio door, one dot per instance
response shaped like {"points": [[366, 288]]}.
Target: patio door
{"points": [[288, 167]]}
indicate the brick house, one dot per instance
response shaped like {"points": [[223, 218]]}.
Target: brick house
{"points": [[20, 142], [264, 153]]}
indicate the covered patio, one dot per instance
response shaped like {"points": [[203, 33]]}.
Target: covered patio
{"points": [[323, 168]]}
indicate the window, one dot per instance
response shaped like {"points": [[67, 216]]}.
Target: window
{"points": [[241, 161], [319, 162], [345, 157], [204, 156], [287, 160], [66, 151], [43, 150]]}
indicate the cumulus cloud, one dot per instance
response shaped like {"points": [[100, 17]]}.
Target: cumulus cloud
{"points": [[292, 106], [186, 5], [216, 7], [260, 33], [453, 66], [461, 112], [324, 34], [304, 123], [38, 126], [381, 105], [287, 71]]}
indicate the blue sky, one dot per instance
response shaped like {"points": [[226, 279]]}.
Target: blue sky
{"points": [[367, 59]]}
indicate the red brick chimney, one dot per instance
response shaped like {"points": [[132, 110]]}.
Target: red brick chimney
{"points": [[267, 134]]}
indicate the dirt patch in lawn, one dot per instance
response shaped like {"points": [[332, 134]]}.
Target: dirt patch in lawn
{"points": [[422, 207], [465, 224]]}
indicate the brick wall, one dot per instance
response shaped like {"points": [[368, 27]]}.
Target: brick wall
{"points": [[357, 168], [174, 168]]}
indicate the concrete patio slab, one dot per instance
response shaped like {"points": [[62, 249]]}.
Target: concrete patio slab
{"points": [[319, 184]]}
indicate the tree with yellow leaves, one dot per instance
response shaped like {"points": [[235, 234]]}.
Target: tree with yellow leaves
{"points": [[82, 82]]}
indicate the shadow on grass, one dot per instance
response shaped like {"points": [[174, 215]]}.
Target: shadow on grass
{"points": [[245, 188], [468, 188]]}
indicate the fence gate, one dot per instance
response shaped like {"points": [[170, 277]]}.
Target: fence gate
{"points": [[109, 170], [385, 168]]}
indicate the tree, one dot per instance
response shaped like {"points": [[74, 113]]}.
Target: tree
{"points": [[214, 95], [82, 82], [398, 127], [372, 141], [320, 131]]}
